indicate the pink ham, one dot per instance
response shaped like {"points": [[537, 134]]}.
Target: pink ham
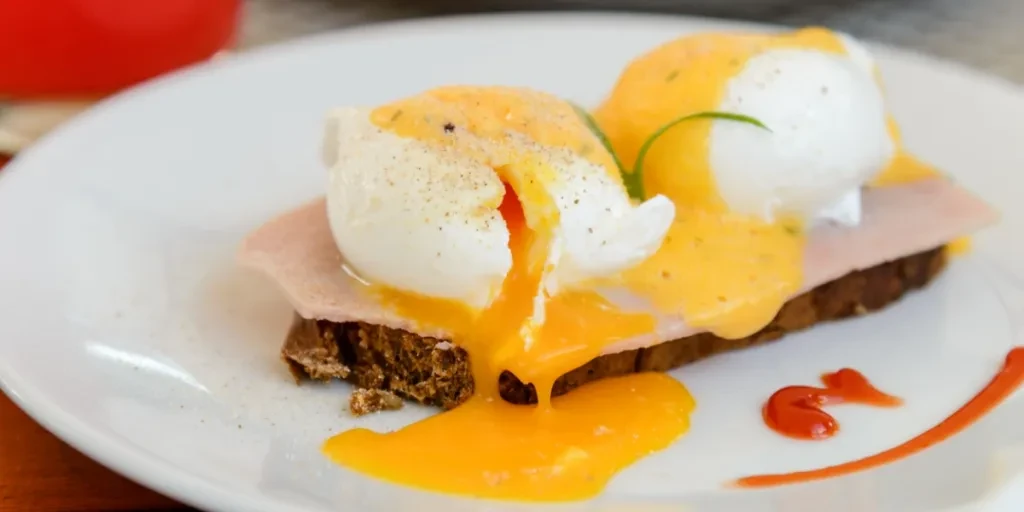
{"points": [[298, 252]]}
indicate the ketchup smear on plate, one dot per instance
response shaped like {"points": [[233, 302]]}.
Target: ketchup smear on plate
{"points": [[796, 411], [1002, 385]]}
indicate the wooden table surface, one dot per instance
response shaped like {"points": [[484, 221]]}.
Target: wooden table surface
{"points": [[40, 473]]}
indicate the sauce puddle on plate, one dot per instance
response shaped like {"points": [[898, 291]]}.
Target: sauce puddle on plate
{"points": [[489, 448]]}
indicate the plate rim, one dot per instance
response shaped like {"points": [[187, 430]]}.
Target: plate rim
{"points": [[170, 480]]}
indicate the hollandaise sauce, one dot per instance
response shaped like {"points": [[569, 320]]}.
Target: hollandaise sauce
{"points": [[723, 272]]}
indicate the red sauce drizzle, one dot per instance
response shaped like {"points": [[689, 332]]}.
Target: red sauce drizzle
{"points": [[1002, 385], [795, 411]]}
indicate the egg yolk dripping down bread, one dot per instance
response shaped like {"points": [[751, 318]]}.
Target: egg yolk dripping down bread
{"points": [[746, 196], [487, 212]]}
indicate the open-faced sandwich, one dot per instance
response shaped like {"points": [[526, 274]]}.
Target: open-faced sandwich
{"points": [[483, 248]]}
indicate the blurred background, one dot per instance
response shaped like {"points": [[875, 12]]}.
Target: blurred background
{"points": [[985, 34], [58, 56]]}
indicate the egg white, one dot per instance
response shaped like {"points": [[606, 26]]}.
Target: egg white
{"points": [[828, 135], [424, 219]]}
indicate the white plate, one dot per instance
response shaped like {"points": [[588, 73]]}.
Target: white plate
{"points": [[128, 331]]}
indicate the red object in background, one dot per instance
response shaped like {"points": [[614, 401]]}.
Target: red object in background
{"points": [[90, 48]]}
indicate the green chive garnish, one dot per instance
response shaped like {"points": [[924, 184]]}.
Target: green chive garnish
{"points": [[634, 180], [596, 130]]}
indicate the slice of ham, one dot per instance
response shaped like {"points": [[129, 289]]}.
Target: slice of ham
{"points": [[297, 251]]}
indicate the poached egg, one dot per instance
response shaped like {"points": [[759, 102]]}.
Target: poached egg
{"points": [[815, 90], [746, 197], [415, 189], [491, 213]]}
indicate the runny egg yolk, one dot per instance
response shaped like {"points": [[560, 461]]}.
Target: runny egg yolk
{"points": [[724, 272], [561, 449]]}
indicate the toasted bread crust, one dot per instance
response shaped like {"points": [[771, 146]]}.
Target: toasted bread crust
{"points": [[435, 372]]}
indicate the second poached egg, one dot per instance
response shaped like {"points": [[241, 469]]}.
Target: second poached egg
{"points": [[816, 90]]}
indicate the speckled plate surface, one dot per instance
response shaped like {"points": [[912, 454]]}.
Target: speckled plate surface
{"points": [[128, 331]]}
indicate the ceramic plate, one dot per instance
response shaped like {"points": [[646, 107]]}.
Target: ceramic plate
{"points": [[129, 332]]}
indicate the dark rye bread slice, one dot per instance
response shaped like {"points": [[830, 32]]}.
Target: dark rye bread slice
{"points": [[435, 372]]}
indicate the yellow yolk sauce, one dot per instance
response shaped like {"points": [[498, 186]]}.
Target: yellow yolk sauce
{"points": [[724, 272], [561, 449], [959, 246], [496, 114], [727, 273], [904, 167], [499, 450]]}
